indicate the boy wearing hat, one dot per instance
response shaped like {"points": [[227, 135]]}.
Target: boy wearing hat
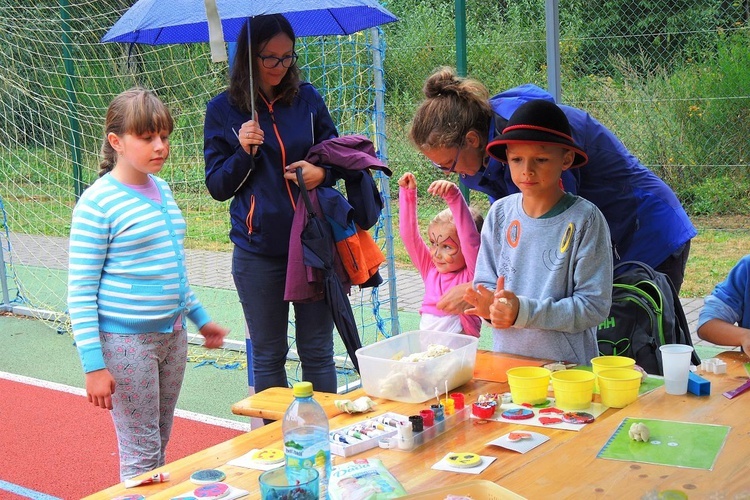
{"points": [[546, 253]]}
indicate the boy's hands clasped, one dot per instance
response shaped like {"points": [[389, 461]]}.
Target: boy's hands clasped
{"points": [[500, 306]]}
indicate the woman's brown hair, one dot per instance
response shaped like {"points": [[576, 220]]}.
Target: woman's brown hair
{"points": [[262, 29], [452, 107]]}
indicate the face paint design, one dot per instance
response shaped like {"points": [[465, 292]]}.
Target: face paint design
{"points": [[445, 248]]}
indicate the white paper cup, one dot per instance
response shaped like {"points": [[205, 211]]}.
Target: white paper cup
{"points": [[676, 362]]}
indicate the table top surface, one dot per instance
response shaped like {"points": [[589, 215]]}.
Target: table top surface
{"points": [[566, 466]]}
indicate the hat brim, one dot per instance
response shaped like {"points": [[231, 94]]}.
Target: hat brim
{"points": [[497, 148]]}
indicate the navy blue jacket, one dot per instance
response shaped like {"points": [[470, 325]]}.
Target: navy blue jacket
{"points": [[263, 201], [646, 220]]}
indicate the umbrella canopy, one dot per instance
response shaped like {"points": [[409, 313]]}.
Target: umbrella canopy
{"points": [[318, 252], [157, 22]]}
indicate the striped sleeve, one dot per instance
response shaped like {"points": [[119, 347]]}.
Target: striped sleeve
{"points": [[89, 235]]}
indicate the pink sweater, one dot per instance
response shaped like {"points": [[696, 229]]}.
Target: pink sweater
{"points": [[435, 283]]}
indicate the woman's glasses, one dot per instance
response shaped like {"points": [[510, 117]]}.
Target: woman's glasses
{"points": [[273, 61], [455, 161]]}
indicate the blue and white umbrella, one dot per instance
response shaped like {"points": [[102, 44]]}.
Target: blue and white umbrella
{"points": [[157, 22]]}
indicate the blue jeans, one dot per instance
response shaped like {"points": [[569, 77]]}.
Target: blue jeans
{"points": [[260, 282]]}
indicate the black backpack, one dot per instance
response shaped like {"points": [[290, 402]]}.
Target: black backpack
{"points": [[646, 313]]}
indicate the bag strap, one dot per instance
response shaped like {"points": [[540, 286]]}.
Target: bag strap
{"points": [[304, 193]]}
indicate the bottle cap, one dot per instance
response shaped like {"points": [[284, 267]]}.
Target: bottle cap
{"points": [[302, 389]]}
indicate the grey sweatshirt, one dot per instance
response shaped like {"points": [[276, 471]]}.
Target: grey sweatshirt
{"points": [[561, 270]]}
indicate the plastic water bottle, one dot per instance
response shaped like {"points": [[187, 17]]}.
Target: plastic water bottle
{"points": [[305, 430]]}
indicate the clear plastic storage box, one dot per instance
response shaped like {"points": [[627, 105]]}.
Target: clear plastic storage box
{"points": [[385, 373]]}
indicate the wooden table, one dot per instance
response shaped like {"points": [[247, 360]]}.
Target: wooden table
{"points": [[573, 471], [565, 466]]}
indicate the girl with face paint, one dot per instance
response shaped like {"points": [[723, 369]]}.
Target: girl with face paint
{"points": [[450, 256]]}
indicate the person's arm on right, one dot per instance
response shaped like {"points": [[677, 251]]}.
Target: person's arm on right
{"points": [[723, 311]]}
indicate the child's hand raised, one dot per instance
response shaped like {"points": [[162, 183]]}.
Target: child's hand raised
{"points": [[504, 308], [481, 298], [408, 181], [441, 188]]}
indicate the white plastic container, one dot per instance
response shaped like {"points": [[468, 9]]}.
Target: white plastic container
{"points": [[385, 376]]}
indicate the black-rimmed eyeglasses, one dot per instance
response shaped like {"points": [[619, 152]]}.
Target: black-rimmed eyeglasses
{"points": [[273, 61], [450, 170]]}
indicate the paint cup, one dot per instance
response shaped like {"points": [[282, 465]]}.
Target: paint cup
{"points": [[618, 387], [676, 363], [458, 399], [528, 384], [601, 363], [573, 389], [276, 484]]}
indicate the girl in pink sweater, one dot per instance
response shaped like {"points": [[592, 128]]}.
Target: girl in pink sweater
{"points": [[451, 255]]}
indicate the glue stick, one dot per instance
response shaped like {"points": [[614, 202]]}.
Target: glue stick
{"points": [[156, 478]]}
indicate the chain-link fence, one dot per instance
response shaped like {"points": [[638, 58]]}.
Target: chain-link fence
{"points": [[670, 78]]}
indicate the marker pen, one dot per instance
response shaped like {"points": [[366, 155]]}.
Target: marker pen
{"points": [[156, 478]]}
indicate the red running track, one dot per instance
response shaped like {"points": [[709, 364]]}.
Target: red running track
{"points": [[59, 445]]}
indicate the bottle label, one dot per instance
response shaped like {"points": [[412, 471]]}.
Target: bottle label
{"points": [[305, 457]]}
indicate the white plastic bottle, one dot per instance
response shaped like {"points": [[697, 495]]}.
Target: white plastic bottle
{"points": [[305, 430]]}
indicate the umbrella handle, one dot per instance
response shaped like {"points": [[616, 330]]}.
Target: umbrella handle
{"points": [[304, 193]]}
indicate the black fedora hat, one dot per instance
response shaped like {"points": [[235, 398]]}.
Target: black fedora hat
{"points": [[541, 122]]}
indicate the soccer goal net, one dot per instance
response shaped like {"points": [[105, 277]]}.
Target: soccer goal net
{"points": [[57, 80]]}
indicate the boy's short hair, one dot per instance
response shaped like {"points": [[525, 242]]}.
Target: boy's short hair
{"points": [[541, 122]]}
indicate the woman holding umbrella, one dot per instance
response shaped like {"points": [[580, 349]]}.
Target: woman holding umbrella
{"points": [[252, 160]]}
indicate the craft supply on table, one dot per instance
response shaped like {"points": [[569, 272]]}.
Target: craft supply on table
{"points": [[365, 435], [517, 414], [736, 392], [231, 493], [268, 456], [154, 478], [405, 436], [483, 410], [639, 432], [449, 463], [364, 478], [577, 417], [428, 417], [207, 476], [520, 441], [669, 443], [249, 460], [463, 459], [549, 417], [134, 496], [698, 385], [529, 384], [212, 491], [359, 405], [402, 368], [458, 400], [430, 432]]}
